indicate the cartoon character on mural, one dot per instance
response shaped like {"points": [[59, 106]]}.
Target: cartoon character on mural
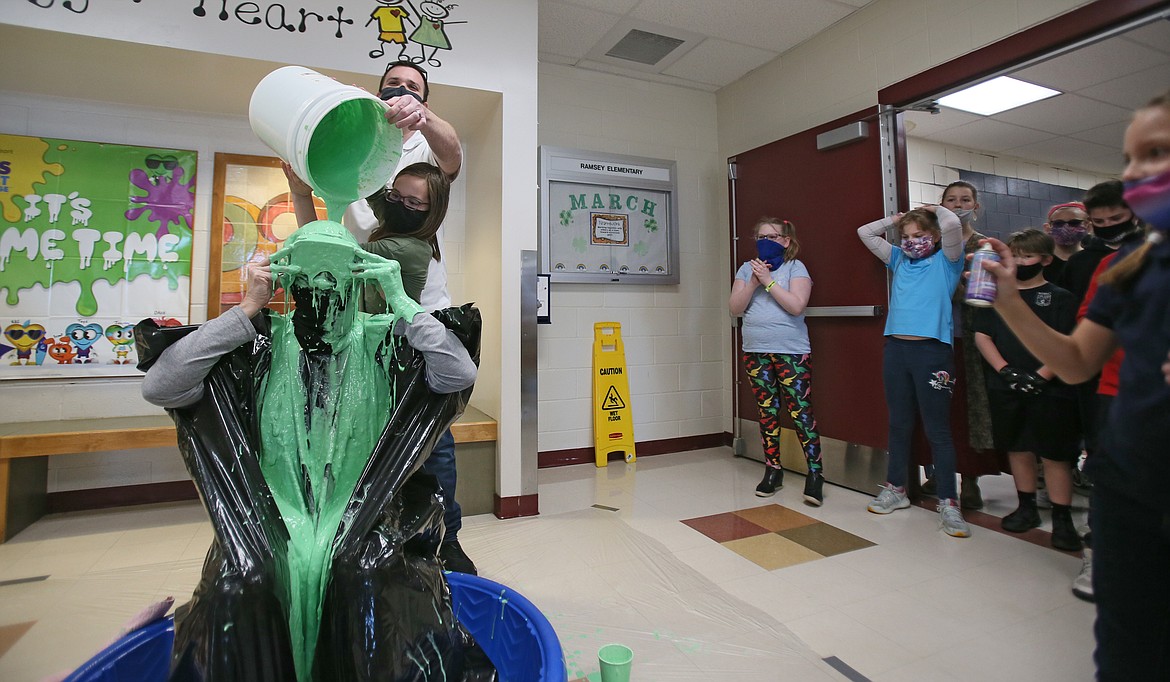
{"points": [[84, 336], [121, 335], [161, 167], [61, 350], [24, 339], [167, 198], [391, 17], [430, 32], [429, 21]]}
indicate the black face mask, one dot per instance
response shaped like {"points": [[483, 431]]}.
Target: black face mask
{"points": [[397, 91], [401, 220], [1027, 272], [1114, 233]]}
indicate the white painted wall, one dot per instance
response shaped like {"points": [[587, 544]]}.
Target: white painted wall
{"points": [[672, 334]]}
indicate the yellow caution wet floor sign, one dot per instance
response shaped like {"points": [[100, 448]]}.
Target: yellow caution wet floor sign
{"points": [[613, 424]]}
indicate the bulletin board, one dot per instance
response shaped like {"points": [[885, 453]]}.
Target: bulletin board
{"points": [[608, 218], [94, 237]]}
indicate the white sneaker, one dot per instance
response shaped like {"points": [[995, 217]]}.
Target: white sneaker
{"points": [[888, 500], [1082, 585], [952, 520]]}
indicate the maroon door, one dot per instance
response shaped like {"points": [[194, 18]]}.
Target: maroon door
{"points": [[828, 195]]}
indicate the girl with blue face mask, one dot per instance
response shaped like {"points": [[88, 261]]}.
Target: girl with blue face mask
{"points": [[771, 293], [918, 367], [1130, 469]]}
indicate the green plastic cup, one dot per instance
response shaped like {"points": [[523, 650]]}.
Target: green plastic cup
{"points": [[615, 660]]}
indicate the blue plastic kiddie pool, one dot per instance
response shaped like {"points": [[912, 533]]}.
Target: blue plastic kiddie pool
{"points": [[512, 631]]}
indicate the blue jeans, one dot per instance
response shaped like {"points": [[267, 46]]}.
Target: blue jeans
{"points": [[1131, 561], [919, 378], [441, 465]]}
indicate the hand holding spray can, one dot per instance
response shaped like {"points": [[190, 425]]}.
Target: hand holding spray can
{"points": [[981, 286]]}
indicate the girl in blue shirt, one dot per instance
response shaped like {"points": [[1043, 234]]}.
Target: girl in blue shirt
{"points": [[918, 367]]}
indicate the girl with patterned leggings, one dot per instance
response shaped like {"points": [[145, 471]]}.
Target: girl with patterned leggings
{"points": [[771, 293]]}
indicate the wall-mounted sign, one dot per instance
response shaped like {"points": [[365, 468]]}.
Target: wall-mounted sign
{"points": [[608, 218], [93, 238]]}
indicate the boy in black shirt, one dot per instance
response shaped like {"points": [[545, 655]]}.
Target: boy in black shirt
{"points": [[1032, 412]]}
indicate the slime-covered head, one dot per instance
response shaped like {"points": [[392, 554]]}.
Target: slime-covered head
{"points": [[317, 266]]}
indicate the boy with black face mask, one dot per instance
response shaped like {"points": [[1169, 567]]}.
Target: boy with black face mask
{"points": [[1032, 412], [1112, 225]]}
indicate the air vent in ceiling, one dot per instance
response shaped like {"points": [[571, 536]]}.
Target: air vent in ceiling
{"points": [[644, 47]]}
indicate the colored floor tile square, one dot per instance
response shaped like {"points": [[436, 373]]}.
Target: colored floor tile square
{"points": [[11, 634], [825, 539], [775, 518], [772, 551], [724, 527]]}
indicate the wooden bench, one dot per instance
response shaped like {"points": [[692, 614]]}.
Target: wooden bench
{"points": [[25, 448]]}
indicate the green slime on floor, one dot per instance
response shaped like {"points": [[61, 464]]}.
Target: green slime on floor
{"points": [[318, 438]]}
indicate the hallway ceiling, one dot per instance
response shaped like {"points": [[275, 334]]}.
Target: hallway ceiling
{"points": [[723, 41], [1083, 128], [1103, 82]]}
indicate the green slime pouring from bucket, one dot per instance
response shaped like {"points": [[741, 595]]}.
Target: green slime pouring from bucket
{"points": [[317, 436]]}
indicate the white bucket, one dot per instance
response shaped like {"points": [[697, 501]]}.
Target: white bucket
{"points": [[335, 136]]}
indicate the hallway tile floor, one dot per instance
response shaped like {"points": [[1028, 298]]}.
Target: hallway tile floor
{"points": [[782, 591]]}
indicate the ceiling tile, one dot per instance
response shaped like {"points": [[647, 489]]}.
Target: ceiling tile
{"points": [[775, 25], [1065, 114], [718, 62], [572, 31], [1093, 64], [609, 6], [988, 135], [1109, 135], [1130, 91], [1155, 34], [1065, 151], [926, 124]]}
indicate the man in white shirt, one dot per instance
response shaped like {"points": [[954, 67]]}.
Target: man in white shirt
{"points": [[425, 138]]}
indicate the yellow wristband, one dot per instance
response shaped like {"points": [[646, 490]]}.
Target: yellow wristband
{"points": [[769, 285]]}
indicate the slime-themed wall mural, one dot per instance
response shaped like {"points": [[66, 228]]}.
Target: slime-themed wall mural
{"points": [[93, 237]]}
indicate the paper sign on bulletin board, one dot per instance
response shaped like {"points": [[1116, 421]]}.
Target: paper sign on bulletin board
{"points": [[608, 218], [93, 238]]}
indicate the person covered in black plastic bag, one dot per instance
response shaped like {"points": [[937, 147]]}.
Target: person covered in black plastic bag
{"points": [[304, 434]]}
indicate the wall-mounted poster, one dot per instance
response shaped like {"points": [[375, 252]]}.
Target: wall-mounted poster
{"points": [[608, 218], [93, 238], [251, 217]]}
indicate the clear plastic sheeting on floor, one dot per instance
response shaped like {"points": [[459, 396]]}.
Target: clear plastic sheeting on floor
{"points": [[599, 581]]}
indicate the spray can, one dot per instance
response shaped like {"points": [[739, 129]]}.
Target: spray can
{"points": [[981, 283]]}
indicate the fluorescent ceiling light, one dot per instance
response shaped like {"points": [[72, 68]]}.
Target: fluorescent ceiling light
{"points": [[996, 95]]}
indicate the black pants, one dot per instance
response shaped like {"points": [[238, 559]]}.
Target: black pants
{"points": [[1131, 585]]}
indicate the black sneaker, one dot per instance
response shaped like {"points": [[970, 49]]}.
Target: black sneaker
{"points": [[814, 482], [1022, 519], [773, 479], [970, 496], [454, 559], [929, 487], [1064, 534]]}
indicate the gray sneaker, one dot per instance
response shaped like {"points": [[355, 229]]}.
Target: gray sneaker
{"points": [[952, 519], [888, 500], [1082, 585], [1042, 501]]}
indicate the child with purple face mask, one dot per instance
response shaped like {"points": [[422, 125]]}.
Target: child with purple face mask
{"points": [[918, 367], [1068, 225]]}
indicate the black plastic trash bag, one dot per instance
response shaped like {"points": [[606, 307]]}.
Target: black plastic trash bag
{"points": [[387, 608]]}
